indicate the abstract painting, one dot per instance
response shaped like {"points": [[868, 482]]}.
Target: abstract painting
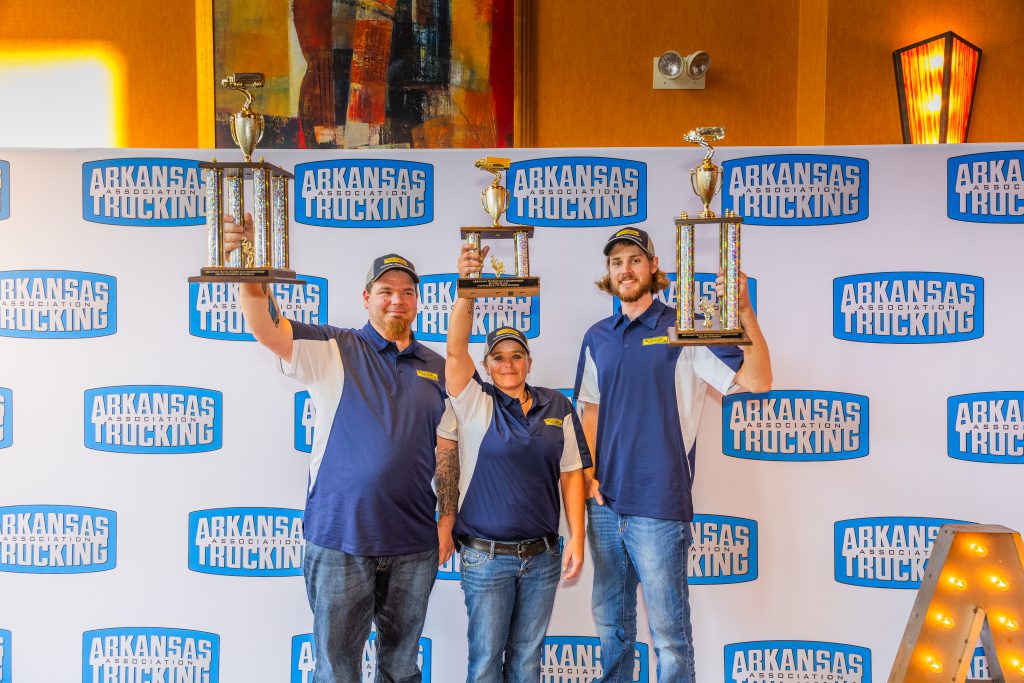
{"points": [[370, 73]]}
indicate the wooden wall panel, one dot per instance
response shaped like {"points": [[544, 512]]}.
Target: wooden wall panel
{"points": [[592, 68]]}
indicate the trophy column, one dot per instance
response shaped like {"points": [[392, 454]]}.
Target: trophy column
{"points": [[214, 218]]}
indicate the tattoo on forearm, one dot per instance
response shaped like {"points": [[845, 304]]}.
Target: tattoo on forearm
{"points": [[446, 478], [275, 316]]}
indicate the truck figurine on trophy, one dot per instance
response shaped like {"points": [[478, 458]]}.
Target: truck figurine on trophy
{"points": [[706, 181], [495, 200], [265, 259]]}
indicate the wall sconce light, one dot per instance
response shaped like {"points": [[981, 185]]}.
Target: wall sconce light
{"points": [[935, 81], [672, 71]]}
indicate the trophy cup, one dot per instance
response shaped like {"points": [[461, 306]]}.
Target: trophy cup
{"points": [[706, 181], [495, 200], [265, 259]]}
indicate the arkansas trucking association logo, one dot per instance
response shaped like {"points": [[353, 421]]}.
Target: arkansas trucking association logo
{"points": [[908, 308], [5, 189], [986, 188], [437, 296], [57, 539], [57, 304], [795, 426], [153, 419], [769, 661], [5, 656], [724, 550], [579, 192], [304, 659], [304, 422], [885, 552], [704, 288], [143, 192], [160, 655], [246, 542], [6, 417], [572, 659], [214, 311], [364, 193], [796, 189], [986, 427]]}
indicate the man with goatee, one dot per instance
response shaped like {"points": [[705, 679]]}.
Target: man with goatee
{"points": [[641, 401], [372, 545]]}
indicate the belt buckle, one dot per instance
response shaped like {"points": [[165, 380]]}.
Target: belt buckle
{"points": [[521, 550]]}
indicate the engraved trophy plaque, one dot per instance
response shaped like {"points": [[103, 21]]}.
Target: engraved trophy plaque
{"points": [[265, 258], [495, 200], [725, 328]]}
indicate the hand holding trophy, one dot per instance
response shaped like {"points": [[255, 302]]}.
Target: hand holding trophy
{"points": [[264, 257]]}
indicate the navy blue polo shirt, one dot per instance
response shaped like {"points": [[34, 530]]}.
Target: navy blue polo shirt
{"points": [[651, 397], [378, 412], [511, 462]]}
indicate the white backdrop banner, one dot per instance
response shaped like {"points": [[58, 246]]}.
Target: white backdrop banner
{"points": [[153, 464]]}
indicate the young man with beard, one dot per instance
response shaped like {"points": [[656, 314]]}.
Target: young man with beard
{"points": [[641, 401], [372, 545]]}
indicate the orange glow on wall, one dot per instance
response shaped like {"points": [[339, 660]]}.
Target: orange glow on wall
{"points": [[935, 81]]}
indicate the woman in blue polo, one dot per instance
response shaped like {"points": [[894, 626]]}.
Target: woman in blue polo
{"points": [[517, 445]]}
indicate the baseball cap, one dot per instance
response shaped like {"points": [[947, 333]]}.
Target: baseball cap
{"points": [[503, 333], [382, 264], [634, 235]]}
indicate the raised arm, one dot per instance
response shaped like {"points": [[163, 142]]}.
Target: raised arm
{"points": [[260, 309], [459, 367]]}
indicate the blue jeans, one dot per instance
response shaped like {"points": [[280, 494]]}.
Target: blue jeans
{"points": [[627, 550], [347, 591], [509, 601]]}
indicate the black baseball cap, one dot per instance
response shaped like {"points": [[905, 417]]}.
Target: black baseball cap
{"points": [[634, 235], [503, 333], [382, 264]]}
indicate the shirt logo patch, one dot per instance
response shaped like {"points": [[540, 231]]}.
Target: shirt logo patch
{"points": [[553, 421], [427, 375], [655, 340]]}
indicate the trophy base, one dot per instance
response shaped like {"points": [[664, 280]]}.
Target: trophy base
{"points": [[486, 287], [705, 337], [256, 275]]}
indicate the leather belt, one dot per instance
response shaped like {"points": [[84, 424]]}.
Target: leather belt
{"points": [[522, 549]]}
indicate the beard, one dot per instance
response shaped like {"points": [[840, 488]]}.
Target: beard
{"points": [[639, 292], [396, 328]]}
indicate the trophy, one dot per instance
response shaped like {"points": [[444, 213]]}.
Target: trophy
{"points": [[706, 181], [495, 200], [265, 259]]}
